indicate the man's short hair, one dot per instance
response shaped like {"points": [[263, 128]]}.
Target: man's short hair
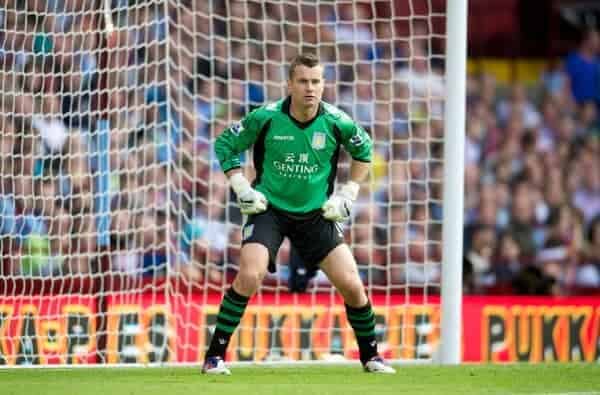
{"points": [[304, 59]]}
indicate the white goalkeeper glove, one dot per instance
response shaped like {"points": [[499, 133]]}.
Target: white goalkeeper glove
{"points": [[249, 199], [339, 205]]}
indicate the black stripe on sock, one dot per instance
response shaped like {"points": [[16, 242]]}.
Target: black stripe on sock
{"points": [[359, 310], [227, 321], [370, 318], [236, 298], [227, 310]]}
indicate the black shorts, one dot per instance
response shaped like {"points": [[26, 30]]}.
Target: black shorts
{"points": [[313, 236]]}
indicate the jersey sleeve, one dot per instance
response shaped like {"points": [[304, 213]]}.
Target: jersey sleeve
{"points": [[355, 139], [238, 138]]}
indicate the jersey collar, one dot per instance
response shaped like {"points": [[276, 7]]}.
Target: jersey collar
{"points": [[285, 108]]}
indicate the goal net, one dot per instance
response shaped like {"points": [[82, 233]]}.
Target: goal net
{"points": [[119, 233]]}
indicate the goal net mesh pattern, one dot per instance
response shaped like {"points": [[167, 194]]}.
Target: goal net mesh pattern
{"points": [[119, 233]]}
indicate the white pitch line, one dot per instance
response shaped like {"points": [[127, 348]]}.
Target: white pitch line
{"points": [[567, 393]]}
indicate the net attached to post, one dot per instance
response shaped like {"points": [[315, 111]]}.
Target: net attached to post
{"points": [[118, 231]]}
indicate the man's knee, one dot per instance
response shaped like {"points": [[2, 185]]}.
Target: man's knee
{"points": [[352, 289], [341, 269], [248, 281], [354, 294], [253, 268]]}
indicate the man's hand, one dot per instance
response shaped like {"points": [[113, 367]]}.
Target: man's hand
{"points": [[339, 206], [249, 199], [252, 202]]}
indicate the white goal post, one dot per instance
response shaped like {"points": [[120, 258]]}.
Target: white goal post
{"points": [[454, 148], [118, 232]]}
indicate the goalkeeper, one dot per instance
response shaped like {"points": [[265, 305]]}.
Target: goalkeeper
{"points": [[296, 143]]}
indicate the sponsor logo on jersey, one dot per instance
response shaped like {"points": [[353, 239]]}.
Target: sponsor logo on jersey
{"points": [[283, 138], [318, 140], [248, 229], [237, 128], [296, 165], [295, 168]]}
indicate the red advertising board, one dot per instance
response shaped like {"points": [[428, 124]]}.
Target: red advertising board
{"points": [[531, 329], [286, 326], [146, 327], [496, 329], [44, 329]]}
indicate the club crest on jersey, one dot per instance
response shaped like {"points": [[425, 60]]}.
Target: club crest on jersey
{"points": [[248, 229], [318, 140]]}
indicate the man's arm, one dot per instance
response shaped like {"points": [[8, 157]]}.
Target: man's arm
{"points": [[359, 171], [232, 142], [339, 206], [250, 200], [238, 137], [228, 146], [232, 172], [359, 145]]}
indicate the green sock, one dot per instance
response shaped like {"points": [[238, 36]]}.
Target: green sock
{"points": [[362, 320], [230, 313]]}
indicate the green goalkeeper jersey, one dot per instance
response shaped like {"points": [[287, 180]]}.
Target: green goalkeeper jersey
{"points": [[295, 162]]}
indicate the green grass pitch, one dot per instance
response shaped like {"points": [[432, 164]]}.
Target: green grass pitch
{"points": [[571, 379]]}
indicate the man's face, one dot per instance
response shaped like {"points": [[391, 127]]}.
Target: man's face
{"points": [[306, 85]]}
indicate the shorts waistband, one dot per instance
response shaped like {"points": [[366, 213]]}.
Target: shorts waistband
{"points": [[297, 216]]}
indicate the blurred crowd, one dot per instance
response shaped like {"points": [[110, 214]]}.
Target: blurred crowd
{"points": [[170, 79], [533, 180]]}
